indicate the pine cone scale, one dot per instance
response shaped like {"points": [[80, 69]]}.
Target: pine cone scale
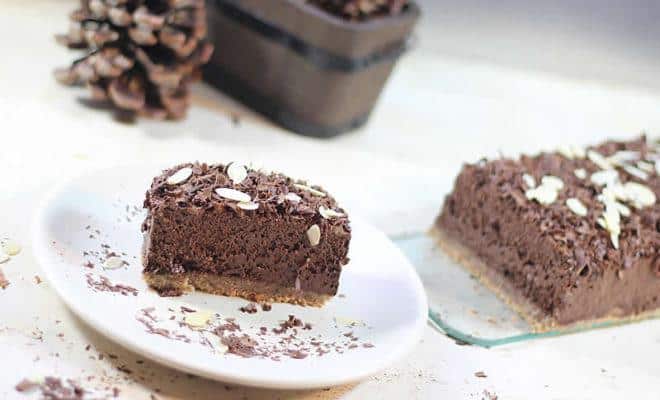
{"points": [[129, 96]]}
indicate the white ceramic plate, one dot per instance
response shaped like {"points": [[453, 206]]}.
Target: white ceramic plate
{"points": [[383, 302]]}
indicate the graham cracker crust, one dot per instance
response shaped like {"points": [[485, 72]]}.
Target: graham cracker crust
{"points": [[538, 320], [261, 292], [532, 314]]}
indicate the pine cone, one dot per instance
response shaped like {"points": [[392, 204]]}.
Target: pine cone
{"points": [[142, 54]]}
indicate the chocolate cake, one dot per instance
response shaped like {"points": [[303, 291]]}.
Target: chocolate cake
{"points": [[564, 237], [235, 231]]}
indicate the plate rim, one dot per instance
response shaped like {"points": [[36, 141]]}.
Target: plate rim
{"points": [[40, 242]]}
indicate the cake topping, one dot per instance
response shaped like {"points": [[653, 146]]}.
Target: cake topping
{"points": [[614, 189], [232, 194], [633, 193], [237, 173], [623, 209], [11, 248], [611, 222], [547, 192], [610, 197], [180, 176], [329, 213], [309, 189], [638, 195], [553, 182], [529, 181], [622, 157], [571, 152], [198, 319], [605, 178], [249, 206], [577, 207], [314, 235], [292, 197], [636, 172], [544, 195], [598, 159], [210, 186], [646, 166], [113, 262], [580, 173]]}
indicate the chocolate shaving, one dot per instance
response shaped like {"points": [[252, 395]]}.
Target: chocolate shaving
{"points": [[243, 345], [250, 308], [3, 281], [103, 284], [53, 388]]}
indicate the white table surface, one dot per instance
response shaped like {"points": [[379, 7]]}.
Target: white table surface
{"points": [[435, 113]]}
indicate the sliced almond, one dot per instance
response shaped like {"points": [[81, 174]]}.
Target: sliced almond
{"points": [[198, 319], [623, 156], [636, 172], [179, 176], [11, 248], [566, 152], [577, 207], [571, 152], [598, 159], [611, 221], [232, 194], [292, 197], [221, 347], [249, 206], [638, 195], [605, 178], [3, 257], [580, 173], [615, 191], [544, 195], [529, 181], [113, 263], [328, 213], [623, 210], [578, 151], [552, 182], [309, 189], [646, 166], [614, 238], [314, 235], [237, 173]]}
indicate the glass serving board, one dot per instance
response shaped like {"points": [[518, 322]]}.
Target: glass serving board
{"points": [[464, 309]]}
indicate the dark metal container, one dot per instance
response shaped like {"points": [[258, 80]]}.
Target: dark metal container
{"points": [[311, 72]]}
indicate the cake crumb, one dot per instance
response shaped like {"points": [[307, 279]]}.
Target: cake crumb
{"points": [[250, 308]]}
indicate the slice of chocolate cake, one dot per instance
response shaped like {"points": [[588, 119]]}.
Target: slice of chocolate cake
{"points": [[563, 237], [235, 231]]}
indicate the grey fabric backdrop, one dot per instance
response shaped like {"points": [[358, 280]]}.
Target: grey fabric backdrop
{"points": [[613, 40]]}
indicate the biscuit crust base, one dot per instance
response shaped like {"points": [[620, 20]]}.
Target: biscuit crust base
{"points": [[261, 292], [539, 320]]}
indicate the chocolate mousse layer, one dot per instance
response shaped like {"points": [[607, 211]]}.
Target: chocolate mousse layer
{"points": [[564, 237], [233, 230]]}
